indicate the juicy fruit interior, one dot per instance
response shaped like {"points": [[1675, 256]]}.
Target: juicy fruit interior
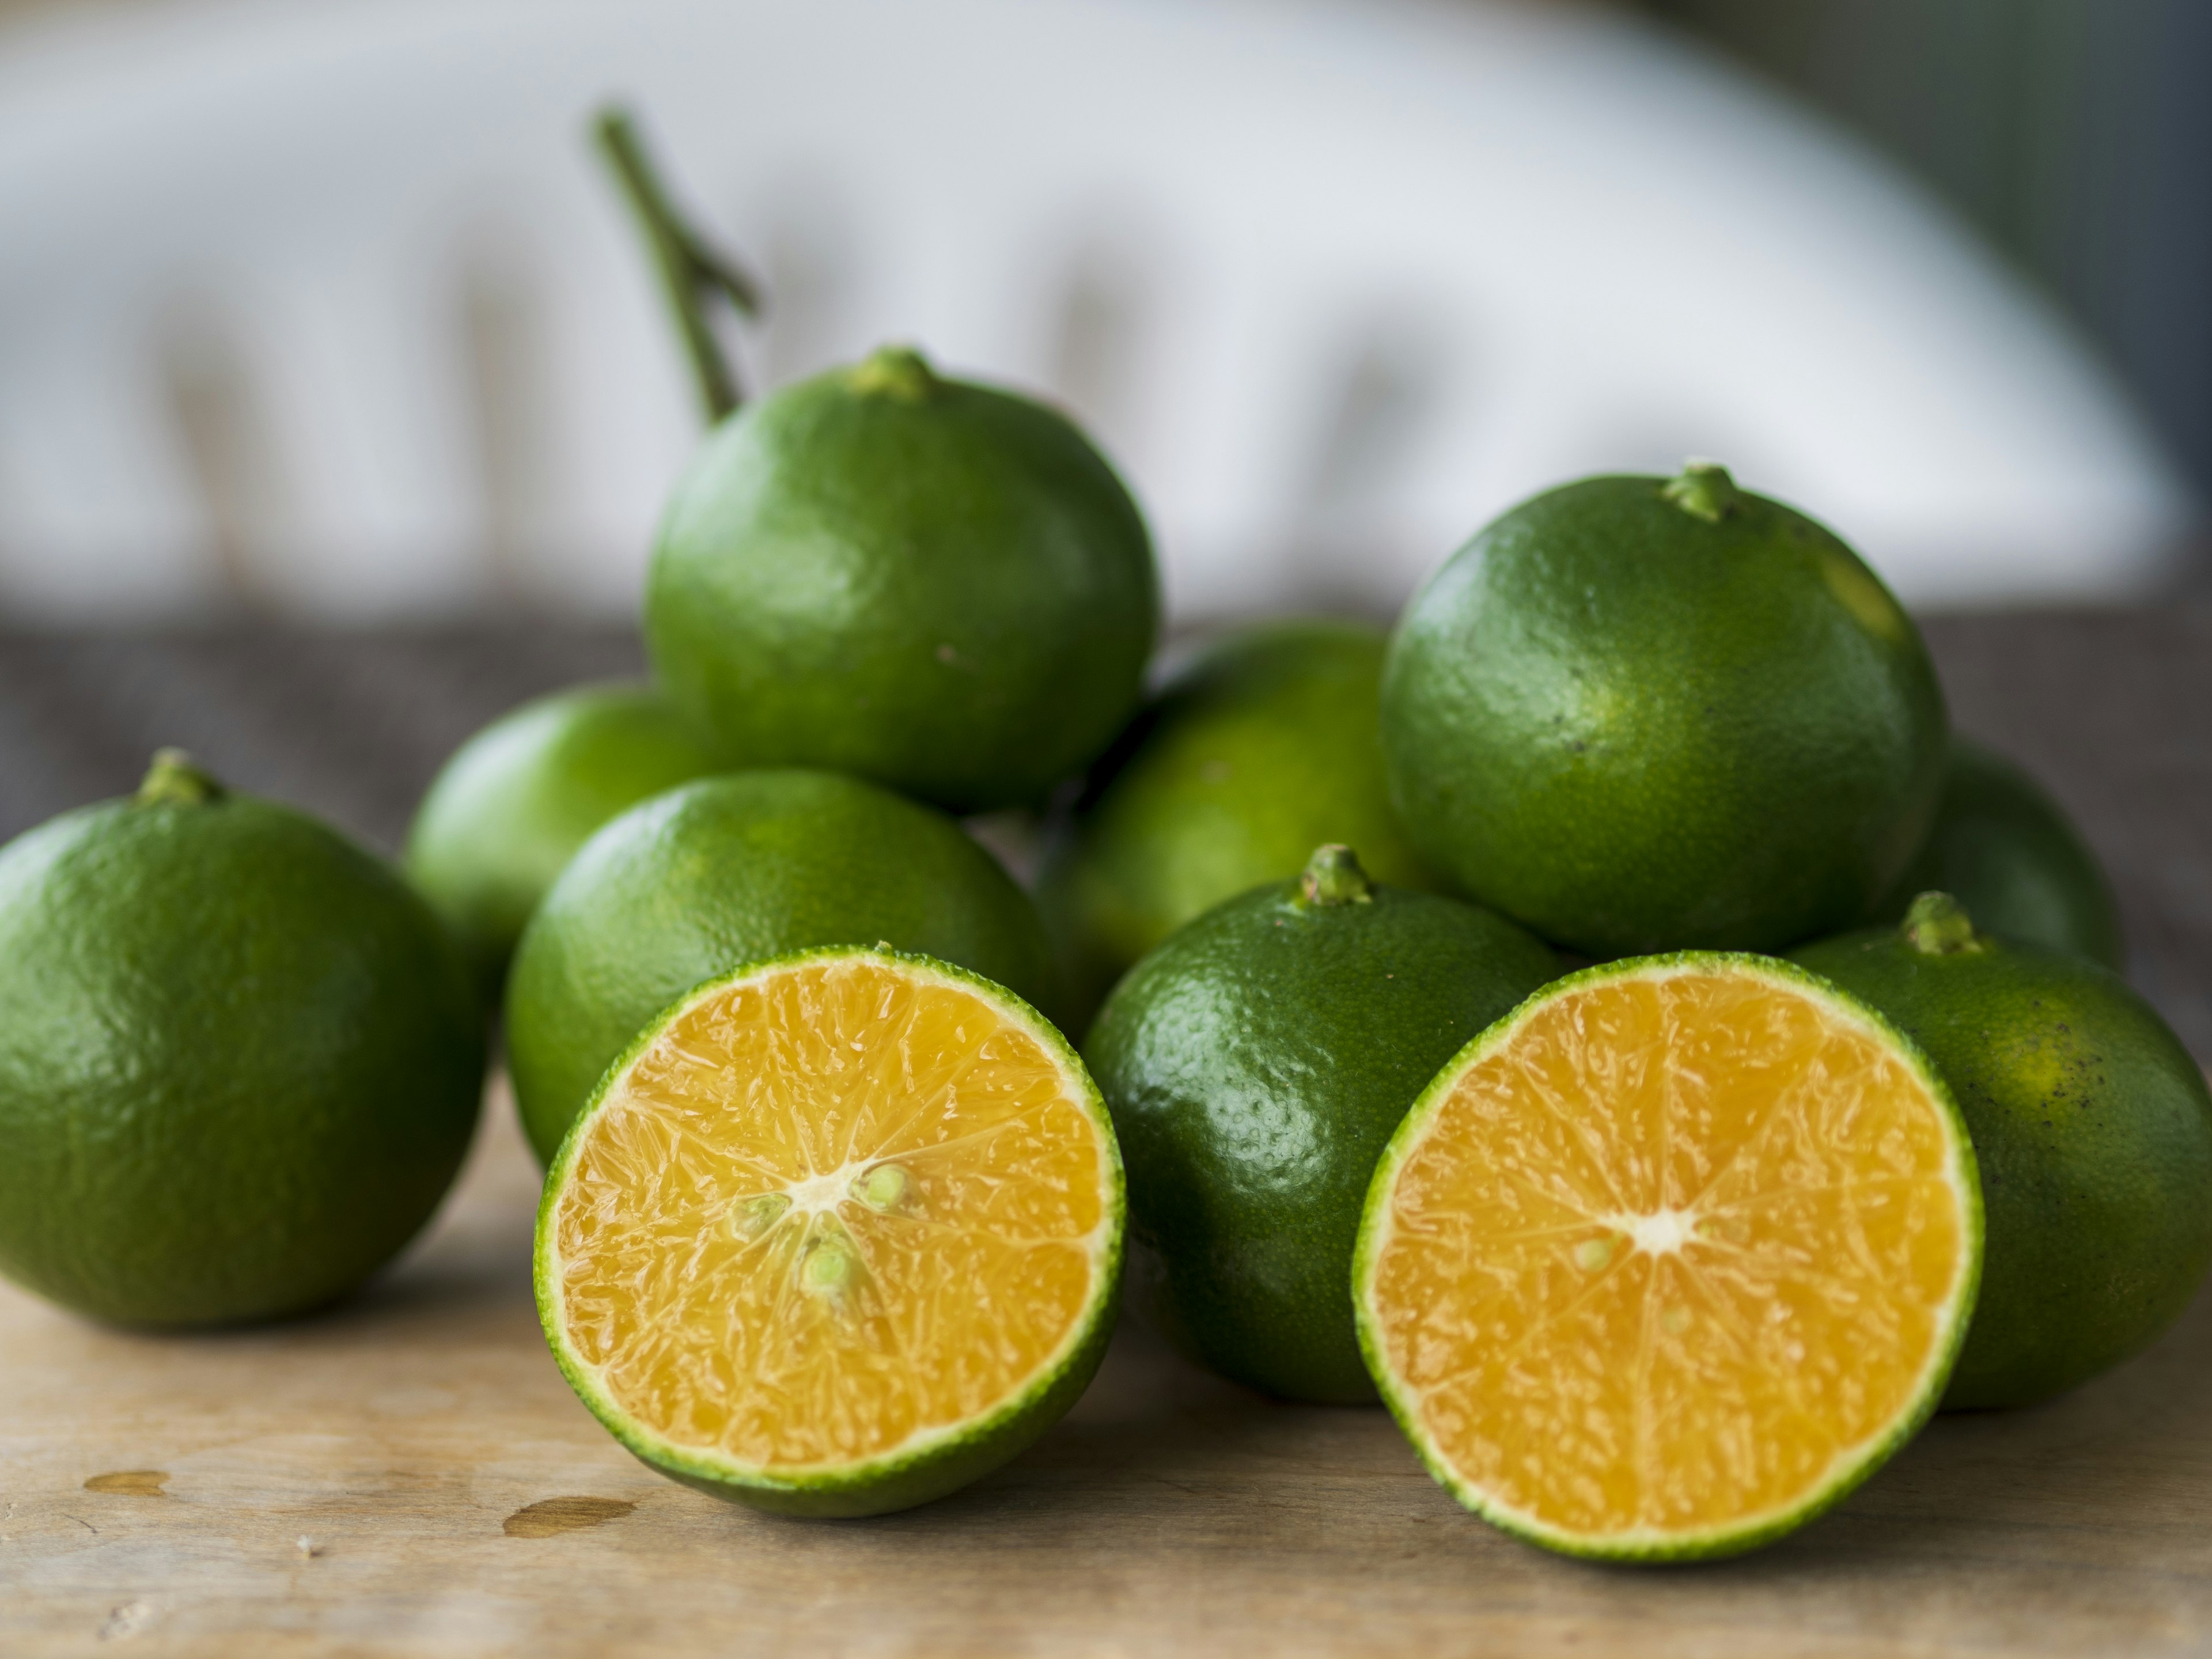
{"points": [[1673, 1257], [831, 1208]]}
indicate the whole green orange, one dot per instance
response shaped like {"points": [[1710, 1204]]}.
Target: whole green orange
{"points": [[1256, 1064], [2093, 1128], [240, 1058], [510, 808], [936, 584], [1640, 714], [2007, 852], [703, 878], [1262, 748]]}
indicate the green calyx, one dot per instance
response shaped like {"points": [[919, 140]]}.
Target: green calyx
{"points": [[1703, 490], [172, 780], [1937, 924], [1332, 877], [895, 371]]}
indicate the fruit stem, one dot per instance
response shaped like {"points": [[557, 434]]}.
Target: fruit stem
{"points": [[690, 271], [895, 371], [1333, 876], [1703, 490], [172, 780], [1937, 924]]}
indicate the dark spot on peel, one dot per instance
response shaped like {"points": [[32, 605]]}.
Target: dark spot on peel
{"points": [[549, 1515]]}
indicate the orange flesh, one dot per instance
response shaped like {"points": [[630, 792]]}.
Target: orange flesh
{"points": [[830, 1209], [1681, 1247]]}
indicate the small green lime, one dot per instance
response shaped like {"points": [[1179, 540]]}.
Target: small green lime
{"points": [[1640, 714], [1261, 749], [2007, 852], [239, 1059], [513, 804], [1256, 1064], [2093, 1128], [932, 584], [724, 870]]}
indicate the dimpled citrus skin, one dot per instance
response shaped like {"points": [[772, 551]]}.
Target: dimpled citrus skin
{"points": [[724, 870], [932, 584], [1632, 728], [1255, 1065], [1263, 748], [2093, 1132], [2008, 853], [515, 802], [240, 1061]]}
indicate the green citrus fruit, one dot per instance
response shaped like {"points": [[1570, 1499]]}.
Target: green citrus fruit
{"points": [[693, 883], [1670, 1259], [938, 585], [839, 1233], [1258, 751], [515, 802], [239, 1059], [2093, 1127], [2007, 852], [1255, 1064], [1635, 715]]}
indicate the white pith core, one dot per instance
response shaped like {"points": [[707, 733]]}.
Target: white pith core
{"points": [[1663, 1232], [819, 1194]]}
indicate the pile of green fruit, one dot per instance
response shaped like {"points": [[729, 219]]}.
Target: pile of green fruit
{"points": [[1855, 1033]]}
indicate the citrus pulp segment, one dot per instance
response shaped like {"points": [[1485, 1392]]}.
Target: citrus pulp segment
{"points": [[842, 1232], [1669, 1258]]}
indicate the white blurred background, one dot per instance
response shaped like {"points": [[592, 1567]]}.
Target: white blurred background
{"points": [[325, 310]]}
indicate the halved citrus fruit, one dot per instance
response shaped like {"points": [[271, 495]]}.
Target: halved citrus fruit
{"points": [[1669, 1258], [842, 1232]]}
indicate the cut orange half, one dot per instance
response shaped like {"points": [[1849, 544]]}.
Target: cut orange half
{"points": [[839, 1234], [1669, 1258]]}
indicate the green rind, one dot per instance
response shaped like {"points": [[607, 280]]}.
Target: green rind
{"points": [[743, 868], [1632, 728], [878, 1486], [2094, 1132], [1256, 1063], [241, 1061], [1263, 748], [511, 805], [934, 584], [2007, 851], [1718, 1542]]}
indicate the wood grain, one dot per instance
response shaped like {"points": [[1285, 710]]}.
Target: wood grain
{"points": [[408, 1474]]}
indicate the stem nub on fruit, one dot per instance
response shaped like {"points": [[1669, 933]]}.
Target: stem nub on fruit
{"points": [[1333, 876], [1703, 490], [690, 270], [894, 371], [1937, 924], [172, 780]]}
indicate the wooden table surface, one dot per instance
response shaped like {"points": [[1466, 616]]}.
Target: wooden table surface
{"points": [[409, 1474]]}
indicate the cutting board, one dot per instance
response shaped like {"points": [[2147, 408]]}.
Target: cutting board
{"points": [[409, 1474]]}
